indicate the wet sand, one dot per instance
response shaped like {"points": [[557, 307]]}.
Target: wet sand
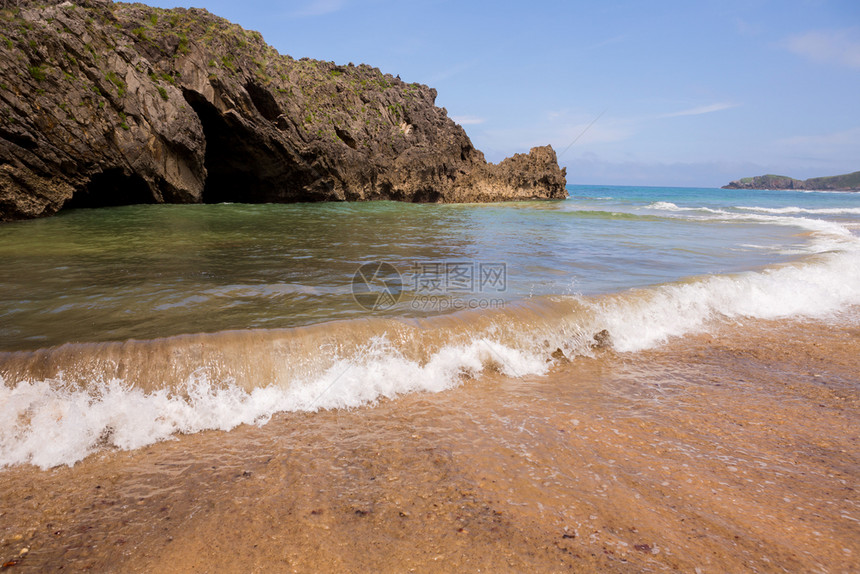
{"points": [[729, 452]]}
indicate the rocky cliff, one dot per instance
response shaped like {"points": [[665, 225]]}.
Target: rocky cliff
{"points": [[107, 103], [847, 182]]}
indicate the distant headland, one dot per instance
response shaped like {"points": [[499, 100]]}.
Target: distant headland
{"points": [[846, 182], [107, 103]]}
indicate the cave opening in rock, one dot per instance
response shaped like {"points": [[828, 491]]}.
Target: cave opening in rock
{"points": [[241, 166], [111, 188]]}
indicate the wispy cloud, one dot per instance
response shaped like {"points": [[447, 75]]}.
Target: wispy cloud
{"points": [[320, 8], [839, 47], [697, 111], [468, 120]]}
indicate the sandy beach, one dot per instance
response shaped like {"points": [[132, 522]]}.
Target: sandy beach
{"points": [[727, 452], [326, 286]]}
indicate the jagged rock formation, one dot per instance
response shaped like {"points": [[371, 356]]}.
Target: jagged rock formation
{"points": [[847, 182], [106, 103]]}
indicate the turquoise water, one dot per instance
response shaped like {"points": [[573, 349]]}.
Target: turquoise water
{"points": [[157, 270]]}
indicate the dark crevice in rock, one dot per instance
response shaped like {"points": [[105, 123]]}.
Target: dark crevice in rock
{"points": [[346, 138], [111, 188], [22, 140], [263, 101], [427, 196], [466, 153]]}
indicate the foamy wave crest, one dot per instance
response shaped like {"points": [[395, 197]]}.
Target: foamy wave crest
{"points": [[768, 215], [52, 422], [669, 206], [664, 206], [803, 210], [826, 235], [641, 319]]}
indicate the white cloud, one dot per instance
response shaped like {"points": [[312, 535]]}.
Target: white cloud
{"points": [[320, 8], [840, 47], [697, 111], [468, 120]]}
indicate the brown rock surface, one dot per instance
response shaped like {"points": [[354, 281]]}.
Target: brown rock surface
{"points": [[107, 104]]}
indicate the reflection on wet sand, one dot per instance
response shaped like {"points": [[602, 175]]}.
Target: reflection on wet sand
{"points": [[734, 451]]}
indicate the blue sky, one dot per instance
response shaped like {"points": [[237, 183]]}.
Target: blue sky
{"points": [[675, 93]]}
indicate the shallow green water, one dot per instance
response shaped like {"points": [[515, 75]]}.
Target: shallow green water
{"points": [[154, 270]]}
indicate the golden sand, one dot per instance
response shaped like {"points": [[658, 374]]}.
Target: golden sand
{"points": [[730, 452]]}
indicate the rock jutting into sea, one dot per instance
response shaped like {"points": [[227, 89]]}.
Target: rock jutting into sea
{"points": [[846, 182], [107, 103]]}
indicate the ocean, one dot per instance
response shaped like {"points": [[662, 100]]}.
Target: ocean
{"points": [[178, 309], [497, 328]]}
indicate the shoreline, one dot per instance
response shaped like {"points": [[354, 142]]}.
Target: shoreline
{"points": [[718, 452]]}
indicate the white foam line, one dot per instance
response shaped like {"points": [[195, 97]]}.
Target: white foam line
{"points": [[48, 423], [829, 235], [803, 210], [810, 289]]}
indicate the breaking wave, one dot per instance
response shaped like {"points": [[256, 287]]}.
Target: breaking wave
{"points": [[60, 404], [806, 211]]}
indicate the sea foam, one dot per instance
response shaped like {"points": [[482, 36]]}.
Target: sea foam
{"points": [[51, 422], [644, 318], [807, 211]]}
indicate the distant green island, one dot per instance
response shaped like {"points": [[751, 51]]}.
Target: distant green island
{"points": [[846, 182]]}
